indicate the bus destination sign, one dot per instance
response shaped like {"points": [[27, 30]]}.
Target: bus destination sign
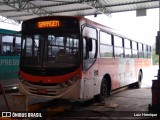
{"points": [[48, 24]]}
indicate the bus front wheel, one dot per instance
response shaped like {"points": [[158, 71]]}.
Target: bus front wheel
{"points": [[104, 91]]}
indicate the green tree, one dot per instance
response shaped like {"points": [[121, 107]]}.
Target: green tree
{"points": [[155, 58]]}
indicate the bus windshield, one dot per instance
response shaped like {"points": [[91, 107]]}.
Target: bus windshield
{"points": [[50, 50]]}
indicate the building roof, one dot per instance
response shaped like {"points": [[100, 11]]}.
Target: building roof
{"points": [[15, 11]]}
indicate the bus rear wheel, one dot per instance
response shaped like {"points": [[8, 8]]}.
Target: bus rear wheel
{"points": [[104, 91], [140, 77]]}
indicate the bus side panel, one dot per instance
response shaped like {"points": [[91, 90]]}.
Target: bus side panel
{"points": [[130, 73], [92, 78], [74, 92], [9, 70], [142, 63], [89, 84], [121, 70], [110, 66]]}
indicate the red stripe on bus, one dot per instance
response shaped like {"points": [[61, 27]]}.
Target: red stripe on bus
{"points": [[50, 79]]}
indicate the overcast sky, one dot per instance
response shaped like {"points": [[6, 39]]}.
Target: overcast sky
{"points": [[142, 29], [10, 26]]}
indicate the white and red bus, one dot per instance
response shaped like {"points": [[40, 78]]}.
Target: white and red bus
{"points": [[74, 58]]}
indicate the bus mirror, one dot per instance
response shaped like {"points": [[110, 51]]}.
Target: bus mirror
{"points": [[14, 41], [90, 44]]}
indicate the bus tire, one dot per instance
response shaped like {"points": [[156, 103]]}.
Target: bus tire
{"points": [[139, 82], [104, 91]]}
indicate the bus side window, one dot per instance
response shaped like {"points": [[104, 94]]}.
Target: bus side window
{"points": [[89, 44], [149, 51], [92, 48], [106, 48], [84, 49], [118, 47], [127, 48], [134, 49], [140, 50], [89, 48]]}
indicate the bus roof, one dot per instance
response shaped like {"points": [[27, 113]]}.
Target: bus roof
{"points": [[9, 32], [89, 22]]}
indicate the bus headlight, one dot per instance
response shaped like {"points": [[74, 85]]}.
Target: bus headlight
{"points": [[23, 81], [61, 85], [73, 80], [69, 82]]}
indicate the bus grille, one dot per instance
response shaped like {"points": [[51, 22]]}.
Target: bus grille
{"points": [[54, 89]]}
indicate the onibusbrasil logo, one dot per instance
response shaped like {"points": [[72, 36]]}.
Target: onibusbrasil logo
{"points": [[21, 114]]}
